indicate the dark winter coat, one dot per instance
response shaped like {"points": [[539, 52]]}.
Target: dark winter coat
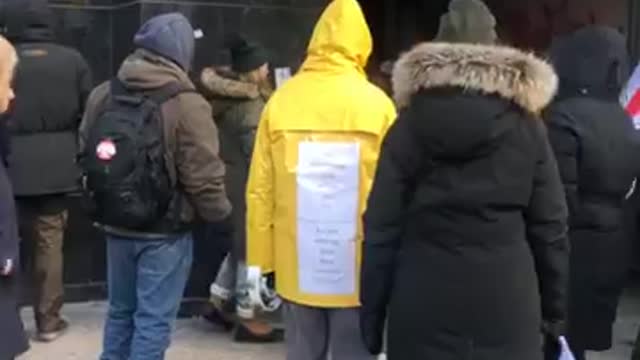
{"points": [[52, 84], [593, 139], [237, 108], [13, 340], [465, 232]]}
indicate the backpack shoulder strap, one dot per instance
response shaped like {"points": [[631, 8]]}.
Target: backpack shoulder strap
{"points": [[120, 93], [168, 92]]}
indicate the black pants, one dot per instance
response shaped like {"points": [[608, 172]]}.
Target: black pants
{"points": [[579, 354], [211, 246], [636, 349]]}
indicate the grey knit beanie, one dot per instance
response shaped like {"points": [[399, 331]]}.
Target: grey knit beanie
{"points": [[468, 21]]}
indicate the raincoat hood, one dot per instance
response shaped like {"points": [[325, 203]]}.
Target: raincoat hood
{"points": [[591, 62], [341, 39]]}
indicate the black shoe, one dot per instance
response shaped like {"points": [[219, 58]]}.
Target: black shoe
{"points": [[216, 318], [242, 334]]}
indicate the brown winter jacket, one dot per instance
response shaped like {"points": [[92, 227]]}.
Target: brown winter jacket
{"points": [[191, 136], [237, 107], [223, 89]]}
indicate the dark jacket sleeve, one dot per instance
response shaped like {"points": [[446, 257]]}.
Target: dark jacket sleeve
{"points": [[384, 227], [94, 104], [565, 141], [201, 172], [85, 83], [546, 218], [252, 114], [8, 232]]}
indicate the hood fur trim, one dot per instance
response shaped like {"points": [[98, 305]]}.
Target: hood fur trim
{"points": [[509, 73], [222, 83]]}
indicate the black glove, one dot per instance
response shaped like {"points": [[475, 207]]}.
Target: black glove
{"points": [[225, 226], [552, 331], [372, 330]]}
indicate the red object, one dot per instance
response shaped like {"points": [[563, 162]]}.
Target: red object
{"points": [[106, 150], [633, 107]]}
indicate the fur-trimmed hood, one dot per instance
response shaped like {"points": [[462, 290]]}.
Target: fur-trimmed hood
{"points": [[224, 89], [509, 73], [224, 84]]}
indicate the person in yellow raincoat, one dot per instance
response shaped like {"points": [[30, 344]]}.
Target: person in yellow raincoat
{"points": [[313, 164]]}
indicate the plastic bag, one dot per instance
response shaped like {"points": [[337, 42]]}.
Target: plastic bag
{"points": [[565, 351]]}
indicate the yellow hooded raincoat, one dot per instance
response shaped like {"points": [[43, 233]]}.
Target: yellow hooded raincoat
{"points": [[329, 102]]}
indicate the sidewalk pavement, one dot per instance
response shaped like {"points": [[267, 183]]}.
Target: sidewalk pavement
{"points": [[194, 339]]}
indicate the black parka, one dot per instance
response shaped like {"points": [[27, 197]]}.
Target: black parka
{"points": [[13, 340], [52, 83], [465, 232], [597, 151]]}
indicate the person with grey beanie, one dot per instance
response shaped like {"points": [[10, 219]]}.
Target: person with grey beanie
{"points": [[149, 264], [467, 21], [465, 246]]}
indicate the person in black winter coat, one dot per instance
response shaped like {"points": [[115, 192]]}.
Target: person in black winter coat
{"points": [[466, 227], [594, 142], [13, 340], [52, 85]]}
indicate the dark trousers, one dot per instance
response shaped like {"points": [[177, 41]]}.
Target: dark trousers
{"points": [[636, 349], [43, 222], [320, 334]]}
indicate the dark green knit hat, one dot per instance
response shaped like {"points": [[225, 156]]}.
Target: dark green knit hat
{"points": [[246, 55], [468, 21]]}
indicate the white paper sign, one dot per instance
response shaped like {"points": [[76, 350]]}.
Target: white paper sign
{"points": [[282, 75], [328, 181]]}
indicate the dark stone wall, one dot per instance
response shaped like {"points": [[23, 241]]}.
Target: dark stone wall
{"points": [[534, 23], [103, 29], [531, 24]]}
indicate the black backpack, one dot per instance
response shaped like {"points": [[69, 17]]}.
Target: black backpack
{"points": [[125, 175]]}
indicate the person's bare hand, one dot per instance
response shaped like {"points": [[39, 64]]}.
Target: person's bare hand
{"points": [[7, 267]]}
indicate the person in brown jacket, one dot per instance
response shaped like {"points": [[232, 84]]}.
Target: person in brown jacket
{"points": [[148, 269], [238, 96]]}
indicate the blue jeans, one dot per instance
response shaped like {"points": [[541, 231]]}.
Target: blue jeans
{"points": [[146, 281]]}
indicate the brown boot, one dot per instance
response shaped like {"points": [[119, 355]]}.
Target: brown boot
{"points": [[52, 332], [254, 331]]}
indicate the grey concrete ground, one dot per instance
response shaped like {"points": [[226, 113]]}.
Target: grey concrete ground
{"points": [[196, 340], [193, 340]]}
